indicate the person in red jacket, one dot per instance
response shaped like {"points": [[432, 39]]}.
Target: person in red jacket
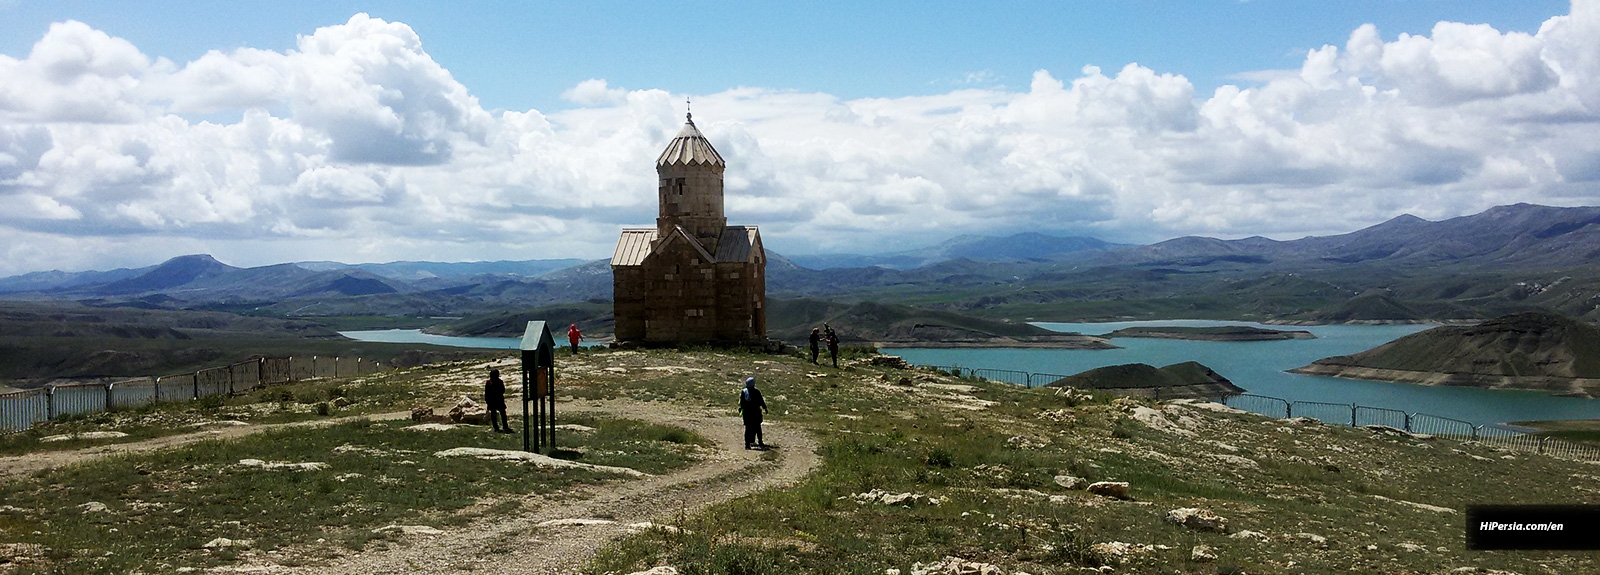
{"points": [[573, 335]]}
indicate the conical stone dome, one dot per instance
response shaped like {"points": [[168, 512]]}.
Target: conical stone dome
{"points": [[689, 148]]}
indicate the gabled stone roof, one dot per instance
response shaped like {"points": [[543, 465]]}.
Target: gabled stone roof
{"points": [[690, 147], [738, 244]]}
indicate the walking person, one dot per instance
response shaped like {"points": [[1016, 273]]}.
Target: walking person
{"points": [[833, 347], [816, 337], [494, 396], [751, 406], [573, 335]]}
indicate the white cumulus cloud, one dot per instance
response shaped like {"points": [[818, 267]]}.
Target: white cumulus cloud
{"points": [[357, 145]]}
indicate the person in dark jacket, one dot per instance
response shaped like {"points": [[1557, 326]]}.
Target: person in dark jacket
{"points": [[751, 407], [816, 337], [494, 397], [833, 347]]}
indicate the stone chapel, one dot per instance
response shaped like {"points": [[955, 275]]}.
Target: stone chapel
{"points": [[693, 278]]}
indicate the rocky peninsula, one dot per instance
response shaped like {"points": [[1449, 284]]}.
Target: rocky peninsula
{"points": [[1534, 351], [1217, 333]]}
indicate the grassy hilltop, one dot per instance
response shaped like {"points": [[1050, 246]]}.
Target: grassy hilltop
{"points": [[915, 466]]}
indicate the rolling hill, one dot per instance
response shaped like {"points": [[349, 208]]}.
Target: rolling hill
{"points": [[1532, 350]]}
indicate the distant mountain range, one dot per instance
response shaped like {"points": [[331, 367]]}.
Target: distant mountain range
{"points": [[1026, 246], [1506, 259]]}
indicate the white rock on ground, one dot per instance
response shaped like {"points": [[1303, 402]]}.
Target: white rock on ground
{"points": [[888, 498], [1423, 506], [1248, 534], [1313, 539], [431, 427], [409, 530], [1117, 552], [1158, 421], [955, 566], [534, 458], [222, 542], [662, 570], [1203, 554], [1071, 482], [1117, 489], [1196, 518], [307, 466], [84, 435], [94, 507], [575, 428]]}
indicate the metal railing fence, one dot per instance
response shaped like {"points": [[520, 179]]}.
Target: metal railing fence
{"points": [[1346, 414], [20, 410]]}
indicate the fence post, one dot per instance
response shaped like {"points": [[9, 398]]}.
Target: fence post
{"points": [[1475, 432], [1352, 415], [108, 395], [50, 403], [261, 371], [1541, 443], [1408, 423], [196, 380], [1288, 410]]}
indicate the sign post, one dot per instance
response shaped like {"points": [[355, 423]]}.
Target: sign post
{"points": [[538, 386]]}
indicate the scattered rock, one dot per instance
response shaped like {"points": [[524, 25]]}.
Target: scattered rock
{"points": [[575, 428], [882, 497], [1253, 535], [1020, 442], [1423, 506], [1203, 554], [94, 507], [1313, 539], [409, 530], [224, 542], [421, 412], [468, 412], [431, 427], [1071, 482], [1117, 489], [661, 570], [84, 435], [576, 522], [307, 466], [341, 402], [534, 458], [1412, 547], [955, 566], [1201, 519], [1235, 460], [1156, 420], [1305, 421], [1117, 552], [892, 361]]}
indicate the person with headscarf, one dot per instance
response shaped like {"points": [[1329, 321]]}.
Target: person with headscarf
{"points": [[816, 337], [494, 398], [751, 407], [573, 335]]}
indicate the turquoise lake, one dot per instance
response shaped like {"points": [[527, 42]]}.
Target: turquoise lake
{"points": [[1256, 366]]}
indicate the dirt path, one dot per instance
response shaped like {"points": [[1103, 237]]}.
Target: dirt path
{"points": [[28, 463], [538, 547]]}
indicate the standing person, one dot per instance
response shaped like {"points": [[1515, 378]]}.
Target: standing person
{"points": [[833, 347], [815, 338], [573, 335], [494, 396], [751, 407]]}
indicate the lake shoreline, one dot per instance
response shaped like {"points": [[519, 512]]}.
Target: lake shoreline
{"points": [[1577, 387]]}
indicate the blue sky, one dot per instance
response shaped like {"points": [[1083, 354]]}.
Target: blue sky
{"points": [[521, 55], [130, 132]]}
